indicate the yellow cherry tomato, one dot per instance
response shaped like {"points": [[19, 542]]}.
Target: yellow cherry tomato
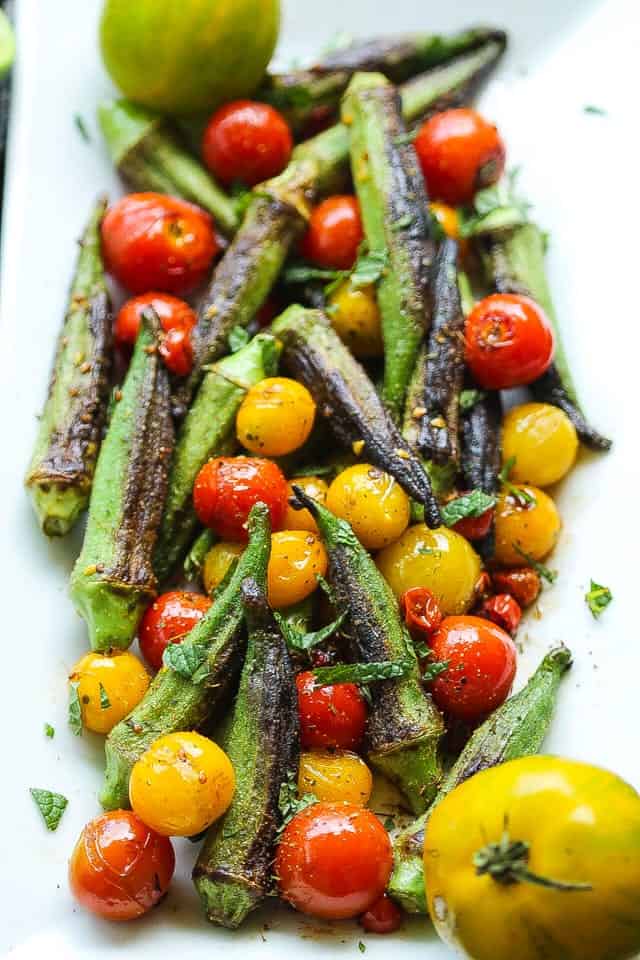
{"points": [[335, 776], [576, 824], [181, 784], [276, 417], [528, 523], [448, 219], [217, 562], [109, 687], [297, 556], [541, 441], [373, 503], [355, 317], [314, 487], [441, 560]]}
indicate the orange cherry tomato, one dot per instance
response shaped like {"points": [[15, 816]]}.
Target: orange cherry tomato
{"points": [[228, 487], [154, 242], [246, 141], [169, 619], [383, 916], [334, 233], [460, 153], [120, 868], [333, 860], [332, 716], [172, 314]]}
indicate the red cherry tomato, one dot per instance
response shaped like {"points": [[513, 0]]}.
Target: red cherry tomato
{"points": [[475, 528], [481, 666], [508, 340], [503, 610], [174, 314], [177, 352], [169, 619], [227, 488], [383, 916], [246, 141], [334, 233], [421, 610], [523, 583], [459, 153], [154, 242], [333, 716], [120, 868], [333, 860]]}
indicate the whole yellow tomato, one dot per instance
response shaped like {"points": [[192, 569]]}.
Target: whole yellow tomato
{"points": [[537, 859]]}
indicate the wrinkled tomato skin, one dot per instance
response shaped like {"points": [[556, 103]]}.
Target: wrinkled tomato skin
{"points": [[334, 234], [522, 583], [475, 528], [383, 916], [333, 860], [154, 242], [120, 868], [503, 610], [176, 351], [228, 487], [332, 716], [247, 142], [421, 610], [168, 620]]}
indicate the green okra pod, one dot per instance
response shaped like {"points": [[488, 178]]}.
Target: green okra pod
{"points": [[209, 662], [397, 226], [62, 466], [113, 578], [347, 399], [516, 729], [208, 430], [148, 156], [404, 727], [234, 871]]}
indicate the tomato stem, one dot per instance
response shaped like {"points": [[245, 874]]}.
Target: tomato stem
{"points": [[507, 863]]}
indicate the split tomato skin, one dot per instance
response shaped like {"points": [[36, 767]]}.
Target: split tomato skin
{"points": [[508, 341], [334, 233], [228, 487], [167, 620], [155, 242], [334, 716], [421, 611], [246, 141], [504, 610]]}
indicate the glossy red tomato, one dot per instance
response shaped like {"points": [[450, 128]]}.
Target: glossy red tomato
{"points": [[120, 868], [172, 314], [475, 528], [246, 141], [481, 667], [333, 860], [503, 610], [154, 242], [333, 716], [228, 487], [459, 153], [168, 620], [508, 340], [421, 610], [334, 233], [383, 916], [522, 583], [176, 350]]}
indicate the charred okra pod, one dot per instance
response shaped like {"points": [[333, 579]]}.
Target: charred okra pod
{"points": [[397, 226], [148, 157], [346, 397], [515, 263], [404, 726], [516, 729], [113, 579], [482, 453], [61, 471], [191, 693], [209, 430], [234, 870]]}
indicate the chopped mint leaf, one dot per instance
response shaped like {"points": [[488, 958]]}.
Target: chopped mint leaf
{"points": [[597, 111], [105, 703], [369, 268], [598, 598], [469, 398], [75, 710], [51, 806], [549, 575], [472, 504], [238, 338], [49, 731], [304, 273], [81, 127], [302, 641], [361, 672], [187, 659], [289, 802], [434, 670], [361, 946]]}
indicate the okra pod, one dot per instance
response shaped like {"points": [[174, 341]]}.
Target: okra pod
{"points": [[444, 375], [113, 578], [482, 453], [397, 226], [404, 727], [233, 873], [516, 729], [62, 466], [514, 261], [194, 560], [209, 430], [194, 697], [347, 399], [148, 156]]}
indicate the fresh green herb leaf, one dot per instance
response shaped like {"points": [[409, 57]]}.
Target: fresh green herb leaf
{"points": [[81, 127], [238, 338], [434, 670], [549, 575], [404, 138], [49, 731], [369, 268], [289, 802], [472, 504], [75, 710], [597, 111], [598, 598], [302, 641], [361, 946], [402, 223], [51, 806], [187, 659], [505, 473], [326, 588], [361, 672], [520, 494], [497, 207], [469, 398], [105, 703], [304, 273]]}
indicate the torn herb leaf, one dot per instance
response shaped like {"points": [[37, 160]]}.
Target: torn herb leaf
{"points": [[238, 338], [289, 803], [75, 710], [361, 672], [49, 731], [51, 806], [105, 703], [301, 641], [81, 127], [549, 575], [597, 111], [598, 599], [434, 670], [497, 207], [472, 504], [369, 268], [505, 473], [520, 494], [469, 398], [188, 660]]}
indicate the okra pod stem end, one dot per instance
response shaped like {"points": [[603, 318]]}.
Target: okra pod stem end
{"points": [[112, 615], [406, 885], [414, 768], [227, 903], [58, 507]]}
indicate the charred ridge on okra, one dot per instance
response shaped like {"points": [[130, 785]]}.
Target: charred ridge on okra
{"points": [[404, 727], [63, 463], [113, 578], [348, 400], [481, 456], [201, 677], [233, 873]]}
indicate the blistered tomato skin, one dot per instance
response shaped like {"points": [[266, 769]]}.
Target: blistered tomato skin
{"points": [[355, 316], [334, 234], [503, 610], [334, 776], [334, 716], [383, 916], [168, 620], [298, 558], [176, 350], [523, 584], [217, 562], [172, 314], [109, 687], [120, 868], [246, 142], [228, 487], [314, 487], [421, 611], [373, 503], [154, 242], [333, 860], [540, 441], [276, 417], [525, 527]]}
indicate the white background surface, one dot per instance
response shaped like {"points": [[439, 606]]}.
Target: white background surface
{"points": [[580, 170]]}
